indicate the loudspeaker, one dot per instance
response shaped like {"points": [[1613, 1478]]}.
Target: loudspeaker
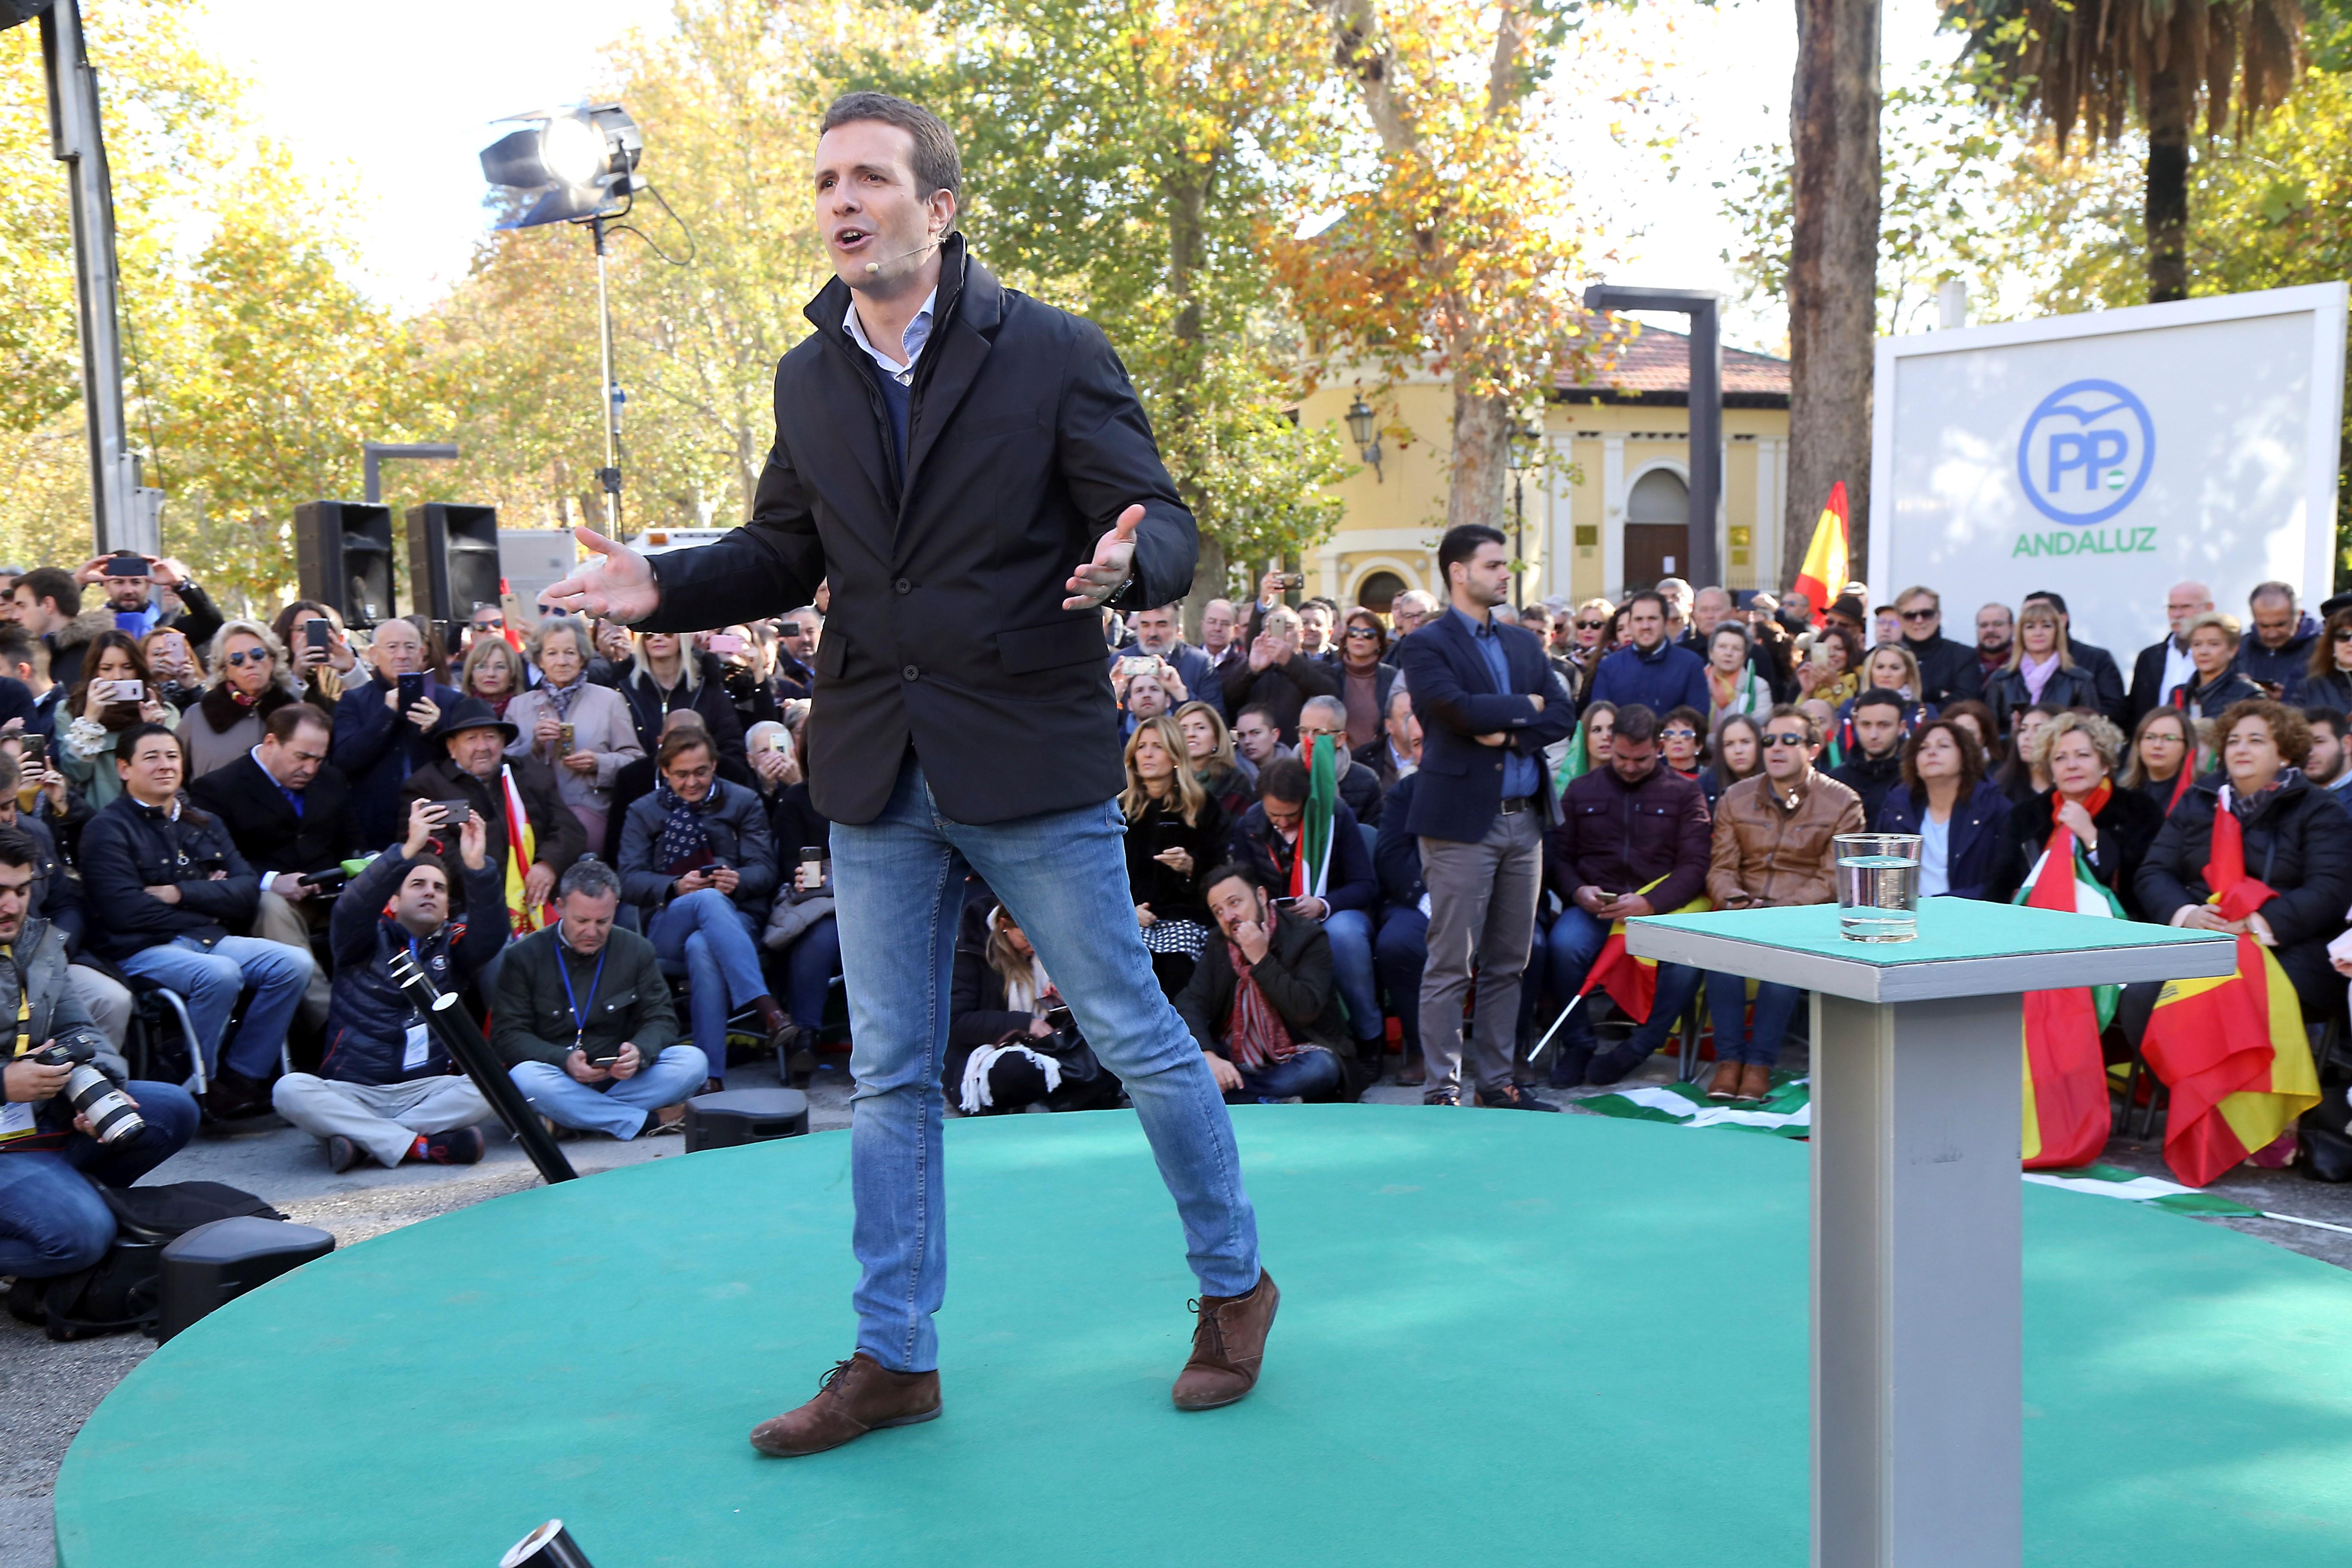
{"points": [[343, 550], [453, 559], [207, 1266], [738, 1116]]}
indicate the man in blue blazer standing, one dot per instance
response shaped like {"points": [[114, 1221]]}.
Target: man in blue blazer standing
{"points": [[1489, 702]]}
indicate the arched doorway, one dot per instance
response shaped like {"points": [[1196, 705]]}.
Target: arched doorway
{"points": [[1378, 592], [1657, 529]]}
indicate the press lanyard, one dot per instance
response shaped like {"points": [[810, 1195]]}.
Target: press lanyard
{"points": [[23, 1040], [579, 1018]]}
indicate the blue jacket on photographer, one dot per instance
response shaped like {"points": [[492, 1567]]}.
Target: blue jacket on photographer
{"points": [[369, 1019]]}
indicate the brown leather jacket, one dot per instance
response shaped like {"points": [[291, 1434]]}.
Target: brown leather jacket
{"points": [[1776, 853]]}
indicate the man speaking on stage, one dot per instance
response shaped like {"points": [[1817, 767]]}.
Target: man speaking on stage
{"points": [[970, 472]]}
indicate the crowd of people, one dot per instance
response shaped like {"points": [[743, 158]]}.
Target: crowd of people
{"points": [[1360, 842]]}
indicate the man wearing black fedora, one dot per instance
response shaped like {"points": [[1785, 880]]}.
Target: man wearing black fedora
{"points": [[505, 792]]}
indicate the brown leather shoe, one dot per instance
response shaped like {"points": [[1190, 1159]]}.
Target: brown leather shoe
{"points": [[1729, 1076], [1756, 1082], [1228, 1343], [1410, 1071], [853, 1399]]}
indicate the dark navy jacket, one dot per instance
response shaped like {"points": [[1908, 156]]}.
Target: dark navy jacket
{"points": [[1453, 695], [1348, 885], [367, 1021], [377, 750], [1396, 854], [1977, 850], [1664, 678]]}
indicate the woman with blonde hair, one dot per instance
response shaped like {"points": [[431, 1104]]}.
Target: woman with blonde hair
{"points": [[2040, 671], [582, 730], [664, 674], [491, 670], [2113, 824], [1174, 833], [2218, 685], [1209, 751], [250, 681]]}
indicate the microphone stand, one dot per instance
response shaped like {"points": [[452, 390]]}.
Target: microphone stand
{"points": [[469, 1050]]}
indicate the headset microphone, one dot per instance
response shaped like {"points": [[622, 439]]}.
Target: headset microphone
{"points": [[874, 266]]}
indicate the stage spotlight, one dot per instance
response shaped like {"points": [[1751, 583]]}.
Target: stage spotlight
{"points": [[581, 161]]}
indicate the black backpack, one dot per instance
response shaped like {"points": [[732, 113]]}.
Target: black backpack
{"points": [[118, 1292]]}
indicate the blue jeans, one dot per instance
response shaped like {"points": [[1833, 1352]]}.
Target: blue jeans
{"points": [[52, 1220], [899, 891], [622, 1109], [720, 947], [810, 963], [1735, 1039], [1350, 932], [1576, 941], [209, 979], [1313, 1074]]}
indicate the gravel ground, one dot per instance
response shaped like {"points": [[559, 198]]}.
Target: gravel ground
{"points": [[47, 1390]]}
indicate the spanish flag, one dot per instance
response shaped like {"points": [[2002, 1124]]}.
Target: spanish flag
{"points": [[2232, 1050], [1632, 983], [523, 848], [2067, 1119], [1824, 570]]}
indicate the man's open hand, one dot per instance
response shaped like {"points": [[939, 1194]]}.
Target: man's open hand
{"points": [[618, 584], [1094, 583]]}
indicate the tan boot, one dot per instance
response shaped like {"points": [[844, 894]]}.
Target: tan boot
{"points": [[1755, 1082], [1724, 1084], [857, 1396], [1228, 1343]]}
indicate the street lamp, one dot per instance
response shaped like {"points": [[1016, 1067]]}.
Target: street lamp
{"points": [[1526, 447], [1363, 427], [584, 163]]}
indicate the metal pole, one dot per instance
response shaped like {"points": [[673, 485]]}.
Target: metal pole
{"points": [[1705, 310], [609, 476], [470, 1051], [1518, 538], [124, 514], [372, 454]]}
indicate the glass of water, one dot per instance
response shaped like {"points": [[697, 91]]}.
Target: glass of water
{"points": [[1878, 885]]}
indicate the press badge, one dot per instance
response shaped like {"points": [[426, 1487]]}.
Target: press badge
{"points": [[419, 1048], [16, 1120]]}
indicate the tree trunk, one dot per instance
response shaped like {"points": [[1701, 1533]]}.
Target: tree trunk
{"points": [[1208, 582], [1482, 453], [2169, 108], [1832, 271]]}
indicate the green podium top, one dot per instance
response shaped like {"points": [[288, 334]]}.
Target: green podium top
{"points": [[1964, 947]]}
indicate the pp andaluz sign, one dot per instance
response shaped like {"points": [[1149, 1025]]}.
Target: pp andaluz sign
{"points": [[2109, 454], [2084, 459]]}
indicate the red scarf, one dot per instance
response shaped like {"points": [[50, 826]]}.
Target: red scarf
{"points": [[2237, 895], [2055, 888], [1257, 1033]]}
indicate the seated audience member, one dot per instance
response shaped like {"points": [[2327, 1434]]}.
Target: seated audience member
{"points": [[386, 1087], [1154, 693], [2328, 766], [249, 683], [796, 639], [1960, 815], [1395, 753], [1890, 666], [2041, 668], [2218, 684], [2326, 681], [326, 670], [1174, 833], [1159, 634], [474, 767], [1682, 738], [582, 730], [1598, 726], [1004, 1050], [663, 676], [1733, 682], [1652, 670], [1875, 764], [636, 779], [1738, 752], [2022, 778], [1771, 847], [697, 858], [580, 1014], [801, 925], [48, 607], [2297, 844], [179, 674], [2114, 826], [1401, 950], [492, 671], [1366, 678], [25, 660], [1832, 672], [53, 1219], [616, 654], [1976, 719], [1360, 787], [1268, 836], [1633, 840], [1257, 740], [742, 673], [1262, 1002], [1209, 753], [1277, 676], [87, 750], [2163, 759], [169, 895], [379, 742]]}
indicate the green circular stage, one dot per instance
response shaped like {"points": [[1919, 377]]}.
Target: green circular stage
{"points": [[1503, 1339]]}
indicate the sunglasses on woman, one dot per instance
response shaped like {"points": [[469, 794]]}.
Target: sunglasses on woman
{"points": [[249, 654]]}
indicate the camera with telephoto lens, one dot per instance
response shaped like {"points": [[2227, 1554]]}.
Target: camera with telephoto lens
{"points": [[111, 1115]]}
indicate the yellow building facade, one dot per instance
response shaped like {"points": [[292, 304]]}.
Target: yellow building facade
{"points": [[1609, 510]]}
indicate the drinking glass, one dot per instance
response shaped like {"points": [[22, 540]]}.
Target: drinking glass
{"points": [[1878, 885]]}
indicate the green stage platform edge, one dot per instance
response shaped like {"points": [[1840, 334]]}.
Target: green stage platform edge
{"points": [[1503, 1339]]}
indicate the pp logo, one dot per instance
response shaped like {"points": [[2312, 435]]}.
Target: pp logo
{"points": [[2087, 452]]}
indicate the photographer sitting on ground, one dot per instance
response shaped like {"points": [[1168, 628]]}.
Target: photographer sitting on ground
{"points": [[582, 1020], [52, 1219], [1010, 1042], [387, 1088], [1262, 1001]]}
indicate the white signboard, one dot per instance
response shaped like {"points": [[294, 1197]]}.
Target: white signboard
{"points": [[2108, 456]]}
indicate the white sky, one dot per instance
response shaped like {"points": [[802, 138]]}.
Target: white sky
{"points": [[400, 103]]}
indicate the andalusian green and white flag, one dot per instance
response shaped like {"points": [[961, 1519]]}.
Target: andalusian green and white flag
{"points": [[1310, 868], [1787, 1111]]}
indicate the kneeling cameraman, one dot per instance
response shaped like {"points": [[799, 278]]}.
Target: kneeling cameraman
{"points": [[52, 1219]]}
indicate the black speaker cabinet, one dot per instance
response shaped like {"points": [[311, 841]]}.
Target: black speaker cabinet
{"points": [[453, 559], [738, 1116], [343, 550], [208, 1266]]}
